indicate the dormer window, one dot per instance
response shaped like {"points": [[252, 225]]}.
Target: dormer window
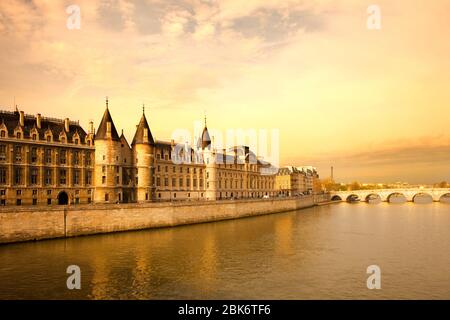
{"points": [[63, 140], [34, 136], [19, 135], [76, 141], [49, 138], [3, 133]]}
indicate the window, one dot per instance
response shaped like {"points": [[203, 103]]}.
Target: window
{"points": [[188, 182], [103, 169], [17, 175], [18, 192], [34, 202], [181, 182], [103, 179], [49, 192], [3, 133], [76, 158], [48, 155], [18, 153], [49, 201], [19, 135], [63, 140], [106, 197], [194, 181], [62, 157], [88, 177], [76, 177], [34, 176], [33, 154], [18, 202], [34, 136], [3, 173], [2, 152], [174, 182], [158, 181], [48, 178], [62, 176], [76, 141], [49, 139], [166, 182]]}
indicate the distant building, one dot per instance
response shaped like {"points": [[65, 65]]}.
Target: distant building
{"points": [[290, 181], [44, 160]]}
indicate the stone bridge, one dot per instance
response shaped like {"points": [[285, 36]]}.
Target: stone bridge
{"points": [[437, 194]]}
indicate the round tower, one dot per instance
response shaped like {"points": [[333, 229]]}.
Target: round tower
{"points": [[143, 147], [107, 169], [209, 157]]}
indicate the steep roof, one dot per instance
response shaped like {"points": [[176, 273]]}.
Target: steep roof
{"points": [[205, 140], [139, 135], [11, 121], [102, 128]]}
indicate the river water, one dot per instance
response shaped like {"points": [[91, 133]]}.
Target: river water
{"points": [[317, 253]]}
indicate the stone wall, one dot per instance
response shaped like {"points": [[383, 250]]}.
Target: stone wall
{"points": [[24, 224]]}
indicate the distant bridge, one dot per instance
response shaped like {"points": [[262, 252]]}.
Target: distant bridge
{"points": [[437, 194]]}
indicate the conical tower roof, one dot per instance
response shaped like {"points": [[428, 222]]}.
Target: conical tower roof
{"points": [[140, 132], [102, 128]]}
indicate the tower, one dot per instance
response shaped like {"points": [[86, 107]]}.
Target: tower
{"points": [[209, 157], [107, 161], [143, 147]]}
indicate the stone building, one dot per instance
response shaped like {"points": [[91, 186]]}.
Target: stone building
{"points": [[44, 161], [154, 170]]}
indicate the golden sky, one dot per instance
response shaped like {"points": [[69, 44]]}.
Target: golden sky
{"points": [[373, 103]]}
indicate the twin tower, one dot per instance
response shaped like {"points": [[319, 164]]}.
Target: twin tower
{"points": [[125, 173]]}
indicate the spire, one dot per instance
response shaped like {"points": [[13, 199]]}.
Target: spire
{"points": [[143, 134], [105, 126], [205, 140]]}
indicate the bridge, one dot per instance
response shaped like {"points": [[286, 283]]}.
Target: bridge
{"points": [[436, 194]]}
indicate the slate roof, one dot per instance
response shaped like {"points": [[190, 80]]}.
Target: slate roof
{"points": [[139, 135], [11, 120], [101, 132]]}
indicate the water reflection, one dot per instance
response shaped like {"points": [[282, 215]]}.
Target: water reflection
{"points": [[321, 252]]}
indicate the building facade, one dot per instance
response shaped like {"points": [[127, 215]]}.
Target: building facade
{"points": [[154, 170], [44, 160]]}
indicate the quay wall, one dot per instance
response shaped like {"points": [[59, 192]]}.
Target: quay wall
{"points": [[36, 223]]}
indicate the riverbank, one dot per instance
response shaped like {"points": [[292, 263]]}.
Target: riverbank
{"points": [[19, 224]]}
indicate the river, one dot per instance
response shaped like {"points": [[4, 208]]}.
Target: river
{"points": [[317, 253]]}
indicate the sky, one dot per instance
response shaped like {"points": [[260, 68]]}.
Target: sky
{"points": [[373, 103]]}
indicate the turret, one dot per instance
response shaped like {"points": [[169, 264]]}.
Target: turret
{"points": [[143, 147], [107, 162], [209, 157]]}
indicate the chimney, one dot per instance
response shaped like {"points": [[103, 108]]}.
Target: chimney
{"points": [[22, 118], [66, 124], [108, 129], [38, 120], [91, 127]]}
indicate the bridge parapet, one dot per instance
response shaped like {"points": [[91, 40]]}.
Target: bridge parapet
{"points": [[435, 193]]}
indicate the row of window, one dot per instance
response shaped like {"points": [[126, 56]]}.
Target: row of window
{"points": [[48, 176], [62, 158]]}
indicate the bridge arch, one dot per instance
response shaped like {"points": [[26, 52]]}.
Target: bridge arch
{"points": [[445, 198], [352, 197], [422, 197], [336, 198], [373, 198], [396, 195]]}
